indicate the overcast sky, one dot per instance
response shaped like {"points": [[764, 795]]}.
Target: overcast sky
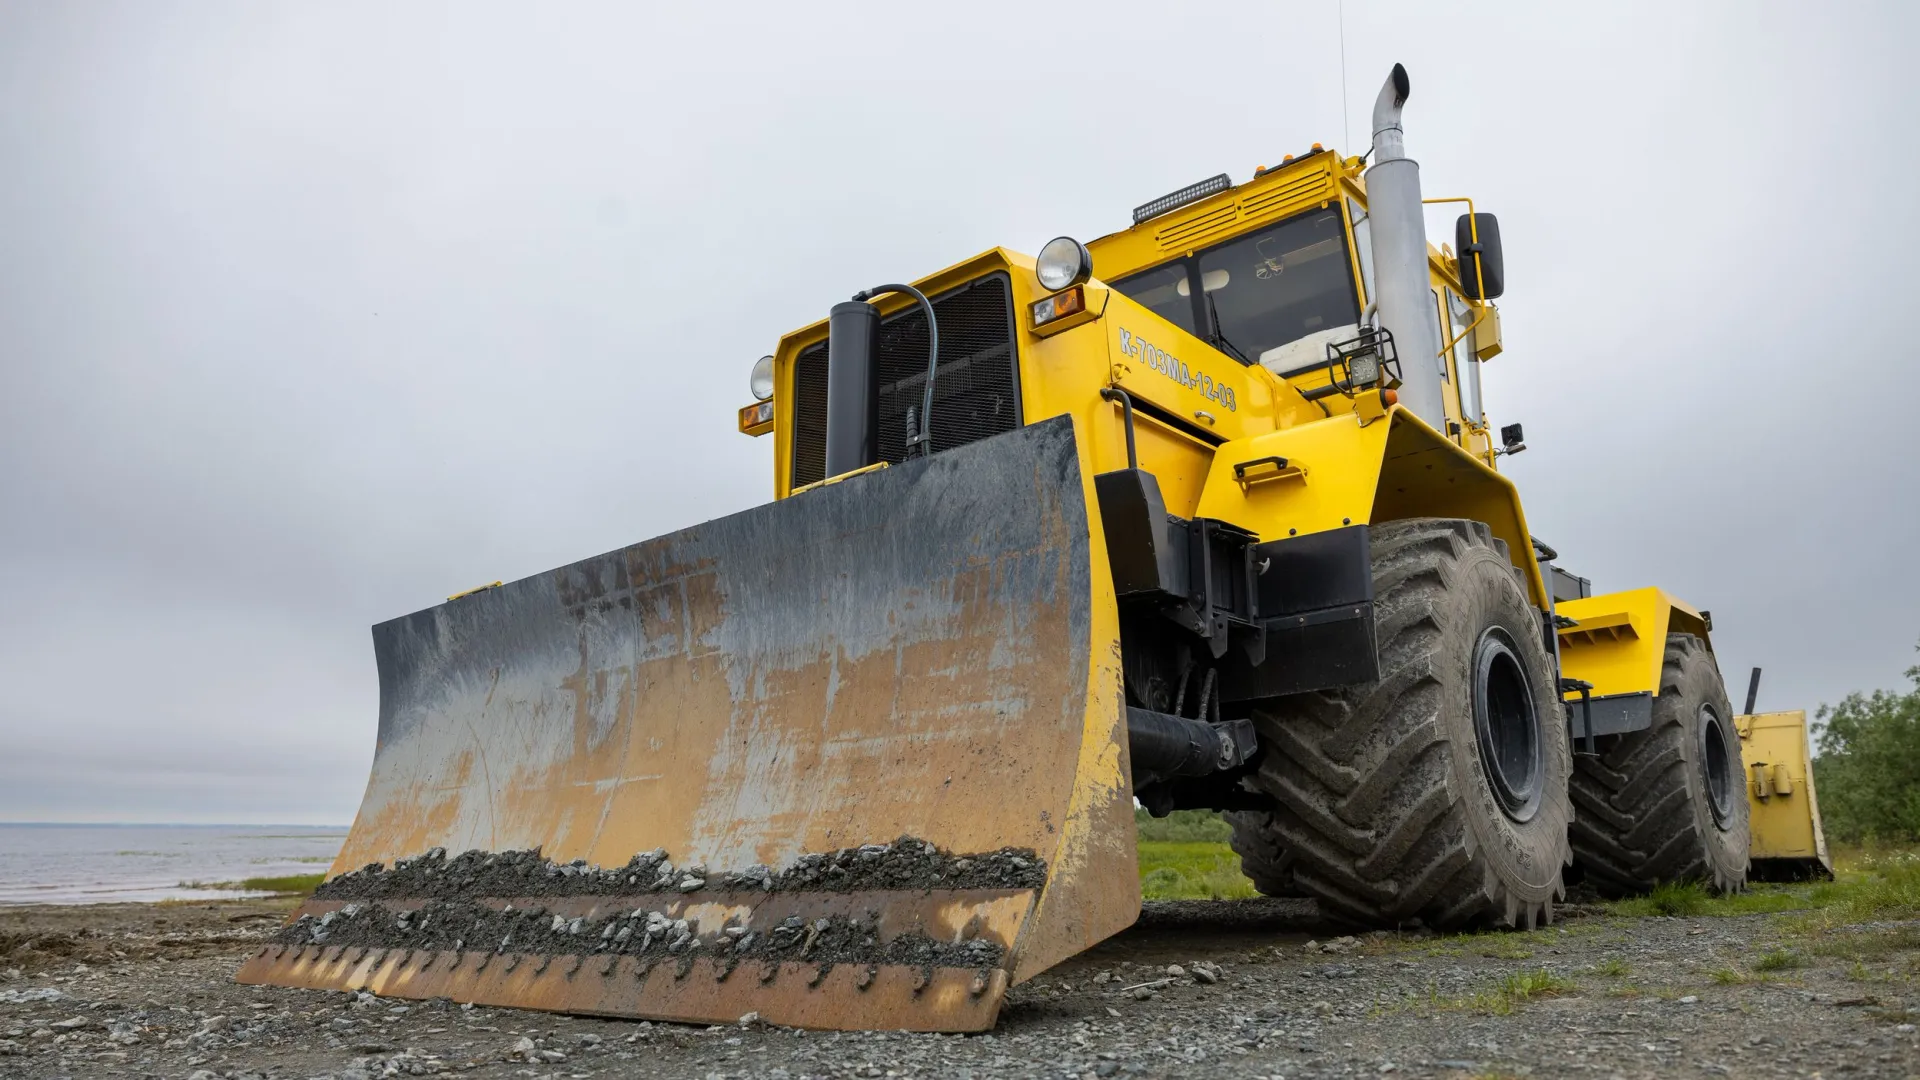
{"points": [[313, 314]]}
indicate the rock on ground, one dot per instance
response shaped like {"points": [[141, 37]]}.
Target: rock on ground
{"points": [[1216, 989]]}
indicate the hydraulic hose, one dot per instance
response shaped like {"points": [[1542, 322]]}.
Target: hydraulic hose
{"points": [[925, 434]]}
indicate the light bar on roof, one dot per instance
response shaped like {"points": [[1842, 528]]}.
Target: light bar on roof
{"points": [[1212, 185]]}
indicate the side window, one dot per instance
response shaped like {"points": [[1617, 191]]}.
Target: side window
{"points": [[1465, 361], [1440, 323], [1164, 291], [1362, 245]]}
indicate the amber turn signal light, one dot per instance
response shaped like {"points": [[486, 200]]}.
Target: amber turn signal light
{"points": [[757, 419], [1059, 306]]}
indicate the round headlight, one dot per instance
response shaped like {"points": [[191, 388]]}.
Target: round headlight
{"points": [[1063, 263], [761, 381]]}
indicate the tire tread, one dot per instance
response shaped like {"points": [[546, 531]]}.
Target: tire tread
{"points": [[1635, 826], [1371, 831]]}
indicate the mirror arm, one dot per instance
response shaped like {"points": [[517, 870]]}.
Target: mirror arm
{"points": [[1473, 227]]}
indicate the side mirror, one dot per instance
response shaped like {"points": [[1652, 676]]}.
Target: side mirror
{"points": [[1480, 259]]}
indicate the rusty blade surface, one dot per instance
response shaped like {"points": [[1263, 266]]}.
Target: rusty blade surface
{"points": [[927, 650]]}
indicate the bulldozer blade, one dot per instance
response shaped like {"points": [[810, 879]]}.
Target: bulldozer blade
{"points": [[854, 759]]}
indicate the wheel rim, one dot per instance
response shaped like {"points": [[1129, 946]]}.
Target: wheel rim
{"points": [[1506, 725], [1716, 764]]}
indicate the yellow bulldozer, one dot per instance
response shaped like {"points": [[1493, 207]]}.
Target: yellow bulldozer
{"points": [[1202, 514]]}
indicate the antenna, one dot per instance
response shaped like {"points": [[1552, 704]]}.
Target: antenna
{"points": [[1346, 126]]}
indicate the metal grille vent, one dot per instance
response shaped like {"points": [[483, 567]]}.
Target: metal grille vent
{"points": [[976, 395], [810, 415], [1281, 201], [1287, 198]]}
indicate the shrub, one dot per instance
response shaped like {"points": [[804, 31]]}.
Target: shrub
{"points": [[1868, 771]]}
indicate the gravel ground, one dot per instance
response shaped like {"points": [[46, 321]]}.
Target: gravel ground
{"points": [[1228, 989]]}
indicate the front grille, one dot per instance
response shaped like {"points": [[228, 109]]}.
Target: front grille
{"points": [[977, 393]]}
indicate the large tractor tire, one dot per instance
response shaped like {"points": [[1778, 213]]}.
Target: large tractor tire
{"points": [[1667, 804], [1438, 793], [1264, 859]]}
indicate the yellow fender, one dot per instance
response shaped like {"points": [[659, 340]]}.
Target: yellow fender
{"points": [[1618, 639], [1379, 463]]}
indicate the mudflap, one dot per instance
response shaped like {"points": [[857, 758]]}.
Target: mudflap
{"points": [[855, 759]]}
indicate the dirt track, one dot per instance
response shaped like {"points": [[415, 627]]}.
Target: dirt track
{"points": [[147, 991]]}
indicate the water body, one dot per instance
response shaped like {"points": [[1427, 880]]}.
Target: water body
{"points": [[92, 864]]}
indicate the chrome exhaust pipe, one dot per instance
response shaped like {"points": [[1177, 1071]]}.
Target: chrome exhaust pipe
{"points": [[1403, 291]]}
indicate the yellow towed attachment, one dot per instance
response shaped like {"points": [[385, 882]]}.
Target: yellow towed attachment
{"points": [[1789, 843], [856, 759]]}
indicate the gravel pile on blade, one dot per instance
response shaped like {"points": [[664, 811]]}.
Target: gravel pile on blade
{"points": [[650, 935], [907, 863]]}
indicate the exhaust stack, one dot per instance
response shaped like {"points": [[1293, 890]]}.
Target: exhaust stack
{"points": [[1402, 289], [853, 421]]}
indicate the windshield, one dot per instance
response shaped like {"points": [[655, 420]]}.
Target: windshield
{"points": [[1164, 291], [1268, 289], [1262, 292]]}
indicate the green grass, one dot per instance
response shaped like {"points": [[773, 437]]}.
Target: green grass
{"points": [[1764, 969], [1692, 900], [1506, 995], [1613, 968], [1523, 986], [1779, 960], [1184, 856], [1184, 826], [1171, 870], [1869, 885], [283, 885], [1874, 886], [1833, 940]]}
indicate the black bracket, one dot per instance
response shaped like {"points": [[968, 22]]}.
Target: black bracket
{"points": [[1367, 359], [1586, 711], [1226, 608], [1275, 460]]}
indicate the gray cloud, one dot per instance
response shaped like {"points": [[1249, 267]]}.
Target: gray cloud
{"points": [[310, 315]]}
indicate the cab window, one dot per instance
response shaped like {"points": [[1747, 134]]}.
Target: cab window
{"points": [[1269, 289], [1465, 360], [1272, 297], [1163, 291]]}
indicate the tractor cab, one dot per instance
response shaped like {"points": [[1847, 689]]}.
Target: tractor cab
{"points": [[1278, 272]]}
